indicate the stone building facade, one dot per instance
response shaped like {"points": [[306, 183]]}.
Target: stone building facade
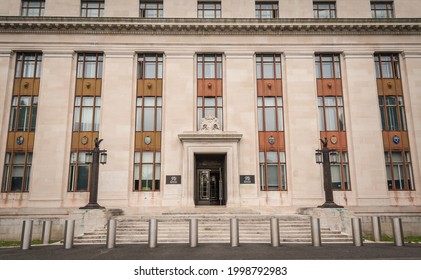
{"points": [[209, 103]]}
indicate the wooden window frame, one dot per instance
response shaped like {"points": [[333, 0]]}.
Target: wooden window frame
{"points": [[382, 58], [322, 112], [260, 7], [280, 164], [142, 62], [9, 165], [25, 8], [84, 58], [145, 6], [333, 60], [389, 9], [74, 172], [16, 111], [139, 166], [23, 60], [215, 61], [157, 113], [406, 164], [201, 9], [96, 113], [84, 11], [317, 9]]}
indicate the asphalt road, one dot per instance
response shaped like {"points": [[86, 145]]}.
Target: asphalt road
{"points": [[371, 251]]}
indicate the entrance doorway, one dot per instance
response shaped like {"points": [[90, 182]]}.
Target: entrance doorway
{"points": [[210, 180]]}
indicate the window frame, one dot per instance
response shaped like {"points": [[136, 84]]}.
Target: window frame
{"points": [[139, 167], [10, 165], [201, 9], [143, 59], [259, 8], [389, 9], [381, 62], [82, 61], [84, 11], [405, 165], [26, 8], [280, 163], [143, 8], [74, 169], [331, 9]]}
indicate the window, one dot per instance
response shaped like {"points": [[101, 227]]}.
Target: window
{"points": [[151, 9], [387, 66], [17, 171], [270, 114], [209, 9], [28, 65], [331, 113], [89, 65], [392, 112], [92, 8], [86, 118], [23, 113], [340, 173], [268, 66], [324, 9], [33, 8], [209, 66], [382, 10], [148, 113], [149, 66], [209, 99], [79, 172], [327, 66], [399, 171], [86, 114], [266, 9], [147, 155], [272, 171], [147, 171]]}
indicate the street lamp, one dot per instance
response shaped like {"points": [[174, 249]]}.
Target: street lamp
{"points": [[326, 156], [95, 157]]}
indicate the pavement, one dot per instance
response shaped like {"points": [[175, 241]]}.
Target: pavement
{"points": [[370, 251]]}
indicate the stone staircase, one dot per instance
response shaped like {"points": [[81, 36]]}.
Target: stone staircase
{"points": [[173, 228]]}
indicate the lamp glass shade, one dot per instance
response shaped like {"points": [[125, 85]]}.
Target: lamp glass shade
{"points": [[319, 156], [103, 158], [333, 157], [88, 158]]}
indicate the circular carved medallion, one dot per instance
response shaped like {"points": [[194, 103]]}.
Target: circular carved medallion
{"points": [[334, 139], [396, 139], [271, 140], [147, 140]]}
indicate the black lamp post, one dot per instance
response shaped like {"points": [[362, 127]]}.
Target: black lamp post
{"points": [[326, 156], [95, 157]]}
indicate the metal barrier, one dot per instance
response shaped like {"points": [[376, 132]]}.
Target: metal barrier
{"points": [[46, 232], [69, 231], [153, 233], [274, 232], [316, 237], [26, 237], [111, 233], [398, 231], [234, 232], [357, 235], [193, 233], [377, 231]]}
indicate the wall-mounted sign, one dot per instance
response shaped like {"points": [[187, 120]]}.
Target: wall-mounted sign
{"points": [[247, 179], [173, 179]]}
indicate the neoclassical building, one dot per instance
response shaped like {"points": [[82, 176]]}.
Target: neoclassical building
{"points": [[209, 103]]}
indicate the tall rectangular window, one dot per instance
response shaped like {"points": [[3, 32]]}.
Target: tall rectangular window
{"points": [[86, 118], [381, 9], [151, 9], [92, 8], [331, 115], [17, 170], [208, 9], [324, 9], [209, 94], [147, 156], [33, 8], [22, 122], [267, 9], [270, 117], [393, 123]]}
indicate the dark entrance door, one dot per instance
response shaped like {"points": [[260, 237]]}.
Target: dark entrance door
{"points": [[210, 178]]}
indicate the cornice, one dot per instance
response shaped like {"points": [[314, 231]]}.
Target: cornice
{"points": [[191, 26]]}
